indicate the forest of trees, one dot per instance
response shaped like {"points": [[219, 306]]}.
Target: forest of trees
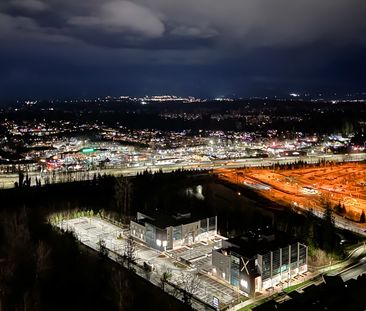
{"points": [[42, 268]]}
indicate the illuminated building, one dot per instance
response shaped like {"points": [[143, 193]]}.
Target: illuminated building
{"points": [[256, 263], [165, 232]]}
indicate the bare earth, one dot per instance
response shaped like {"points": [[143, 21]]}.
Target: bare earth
{"points": [[341, 183]]}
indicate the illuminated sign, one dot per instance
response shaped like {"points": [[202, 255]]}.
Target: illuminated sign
{"points": [[87, 150]]}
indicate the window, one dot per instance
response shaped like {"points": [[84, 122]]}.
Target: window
{"points": [[244, 283], [212, 223], [150, 235], [177, 233]]}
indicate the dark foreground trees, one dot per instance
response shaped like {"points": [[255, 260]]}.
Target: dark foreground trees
{"points": [[42, 268]]}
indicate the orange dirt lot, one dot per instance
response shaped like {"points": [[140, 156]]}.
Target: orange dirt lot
{"points": [[307, 188]]}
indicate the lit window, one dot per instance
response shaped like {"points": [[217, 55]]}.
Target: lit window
{"points": [[214, 270], [165, 243], [223, 275], [158, 242], [244, 283]]}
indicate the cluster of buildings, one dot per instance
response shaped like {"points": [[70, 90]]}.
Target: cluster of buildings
{"points": [[122, 148], [252, 263], [206, 134]]}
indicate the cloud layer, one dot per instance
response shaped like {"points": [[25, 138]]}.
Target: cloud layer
{"points": [[245, 22], [240, 34], [122, 17]]}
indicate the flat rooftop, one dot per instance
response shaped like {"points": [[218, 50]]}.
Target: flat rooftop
{"points": [[251, 245], [162, 220]]}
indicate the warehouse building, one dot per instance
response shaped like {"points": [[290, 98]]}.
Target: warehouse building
{"points": [[259, 261], [166, 232]]}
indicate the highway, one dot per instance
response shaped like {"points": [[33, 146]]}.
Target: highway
{"points": [[8, 180], [357, 267], [354, 271]]}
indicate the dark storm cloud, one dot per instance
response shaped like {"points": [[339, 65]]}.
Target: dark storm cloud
{"points": [[249, 23], [246, 43], [30, 5]]}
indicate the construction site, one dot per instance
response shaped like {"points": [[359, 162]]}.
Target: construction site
{"points": [[342, 186]]}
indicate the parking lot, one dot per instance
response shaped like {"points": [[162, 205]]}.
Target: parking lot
{"points": [[196, 259]]}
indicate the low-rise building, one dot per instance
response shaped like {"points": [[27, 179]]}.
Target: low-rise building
{"points": [[258, 262], [166, 232]]}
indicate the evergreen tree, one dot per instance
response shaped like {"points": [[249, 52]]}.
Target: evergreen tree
{"points": [[328, 228], [362, 217], [339, 208], [123, 196]]}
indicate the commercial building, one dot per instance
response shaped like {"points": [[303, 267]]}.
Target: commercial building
{"points": [[166, 232], [259, 261]]}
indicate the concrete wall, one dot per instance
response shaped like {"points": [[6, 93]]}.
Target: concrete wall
{"points": [[169, 237], [137, 231], [222, 264], [190, 232]]}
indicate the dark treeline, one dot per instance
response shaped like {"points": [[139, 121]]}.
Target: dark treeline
{"points": [[45, 269], [42, 268], [319, 117], [315, 232], [166, 192], [79, 193], [298, 165], [303, 164]]}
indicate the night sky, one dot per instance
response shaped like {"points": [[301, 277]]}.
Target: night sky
{"points": [[207, 48]]}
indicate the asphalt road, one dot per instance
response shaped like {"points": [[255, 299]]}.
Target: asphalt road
{"points": [[354, 271], [8, 180]]}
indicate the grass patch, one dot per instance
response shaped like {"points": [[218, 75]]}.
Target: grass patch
{"points": [[297, 286], [274, 296], [248, 308], [259, 302]]}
